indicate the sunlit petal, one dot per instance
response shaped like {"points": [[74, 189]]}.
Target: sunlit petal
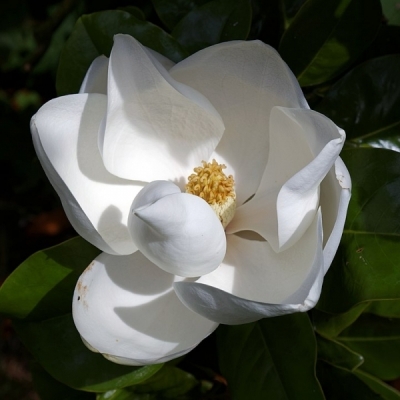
{"points": [[243, 81], [156, 128], [125, 308]]}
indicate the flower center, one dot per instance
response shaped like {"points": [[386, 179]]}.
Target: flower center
{"points": [[211, 184]]}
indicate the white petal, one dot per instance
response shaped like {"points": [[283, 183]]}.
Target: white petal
{"points": [[156, 128], [154, 191], [335, 197], [95, 80], [304, 145], [243, 81], [256, 282], [164, 61], [178, 232], [125, 308], [97, 203]]}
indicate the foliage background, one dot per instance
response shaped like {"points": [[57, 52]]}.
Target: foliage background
{"points": [[346, 55]]}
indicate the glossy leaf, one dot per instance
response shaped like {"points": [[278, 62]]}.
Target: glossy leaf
{"points": [[93, 35], [339, 383], [325, 37], [366, 103], [391, 11], [272, 358], [378, 340], [367, 265], [135, 11], [385, 308], [57, 346], [169, 382], [216, 21], [330, 325], [383, 389], [337, 354], [50, 389], [290, 9], [172, 11], [124, 394], [43, 285]]}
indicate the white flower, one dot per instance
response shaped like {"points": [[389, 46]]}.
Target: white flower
{"points": [[140, 121]]}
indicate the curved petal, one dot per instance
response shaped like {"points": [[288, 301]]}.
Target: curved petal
{"points": [[254, 281], [95, 80], [125, 308], [156, 128], [154, 191], [335, 197], [97, 203], [178, 232], [157, 57], [304, 145], [243, 81]]}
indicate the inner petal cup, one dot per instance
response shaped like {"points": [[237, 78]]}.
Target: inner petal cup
{"points": [[156, 128], [243, 81], [254, 281], [125, 308], [303, 148], [178, 232]]}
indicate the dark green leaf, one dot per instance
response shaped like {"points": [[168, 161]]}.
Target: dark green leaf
{"points": [[57, 346], [290, 9], [135, 11], [341, 384], [338, 354], [385, 308], [325, 37], [124, 394], [267, 21], [93, 35], [43, 285], [172, 11], [120, 394], [366, 103], [169, 382], [270, 359], [386, 42], [49, 61], [367, 265], [384, 390], [391, 11], [216, 21], [330, 325], [50, 389], [378, 341]]}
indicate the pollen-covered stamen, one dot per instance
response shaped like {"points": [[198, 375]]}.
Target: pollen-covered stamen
{"points": [[211, 184]]}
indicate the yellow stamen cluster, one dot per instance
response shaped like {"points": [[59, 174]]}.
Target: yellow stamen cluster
{"points": [[211, 184]]}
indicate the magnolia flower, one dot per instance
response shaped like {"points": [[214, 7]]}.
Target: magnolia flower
{"points": [[214, 192]]}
